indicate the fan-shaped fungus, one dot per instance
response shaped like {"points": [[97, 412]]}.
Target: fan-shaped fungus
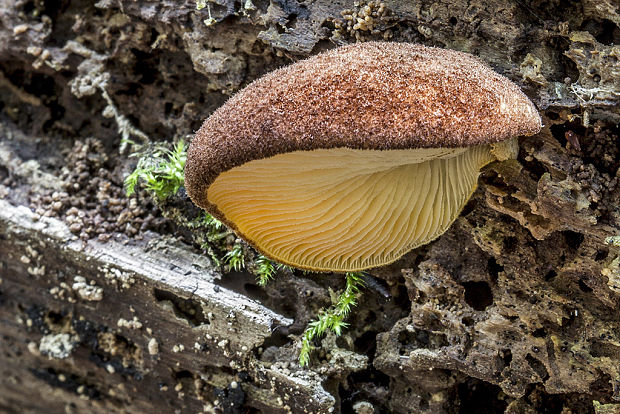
{"points": [[351, 158]]}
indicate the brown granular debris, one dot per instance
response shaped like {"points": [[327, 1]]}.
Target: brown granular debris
{"points": [[603, 148], [596, 186], [373, 95], [93, 203], [372, 18], [596, 166]]}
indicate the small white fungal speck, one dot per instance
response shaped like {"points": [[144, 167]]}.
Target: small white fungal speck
{"points": [[33, 348], [19, 29], [87, 291], [133, 324], [153, 347]]}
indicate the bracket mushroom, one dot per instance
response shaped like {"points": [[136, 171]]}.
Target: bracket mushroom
{"points": [[351, 158]]}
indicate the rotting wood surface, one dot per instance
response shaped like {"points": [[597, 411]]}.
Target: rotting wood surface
{"points": [[514, 309], [106, 327]]}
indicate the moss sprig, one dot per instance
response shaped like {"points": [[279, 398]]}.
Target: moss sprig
{"points": [[235, 257], [161, 173], [265, 270], [215, 229], [333, 318]]}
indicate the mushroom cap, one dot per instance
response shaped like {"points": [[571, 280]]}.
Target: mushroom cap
{"points": [[374, 96]]}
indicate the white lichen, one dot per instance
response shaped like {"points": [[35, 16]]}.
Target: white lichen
{"points": [[531, 70], [116, 277], [86, 291], [91, 78], [613, 240], [131, 324], [58, 345], [612, 273]]}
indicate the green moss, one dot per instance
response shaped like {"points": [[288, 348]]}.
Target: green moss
{"points": [[265, 270], [160, 171], [332, 318], [235, 258]]}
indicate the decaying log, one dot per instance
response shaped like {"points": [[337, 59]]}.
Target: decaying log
{"points": [[104, 327], [106, 306]]}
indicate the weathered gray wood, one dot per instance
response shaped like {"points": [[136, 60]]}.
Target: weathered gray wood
{"points": [[112, 327]]}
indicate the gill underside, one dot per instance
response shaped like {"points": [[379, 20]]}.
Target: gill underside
{"points": [[344, 209]]}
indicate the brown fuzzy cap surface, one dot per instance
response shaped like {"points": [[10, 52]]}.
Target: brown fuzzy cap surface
{"points": [[373, 95]]}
